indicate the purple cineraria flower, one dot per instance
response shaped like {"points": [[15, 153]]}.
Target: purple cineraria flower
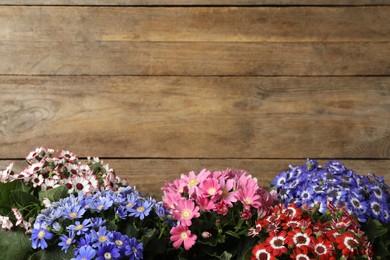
{"points": [[108, 251], [66, 241], [97, 222], [134, 250], [85, 253], [38, 236]]}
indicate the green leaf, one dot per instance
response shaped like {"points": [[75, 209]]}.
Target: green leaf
{"points": [[23, 199], [233, 234], [5, 192], [224, 256], [54, 194], [374, 229], [14, 245], [52, 253]]}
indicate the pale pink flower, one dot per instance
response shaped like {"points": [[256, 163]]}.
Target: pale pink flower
{"points": [[18, 216], [80, 184], [6, 174], [36, 180], [48, 184], [5, 223], [210, 188], [170, 199], [192, 182], [185, 211], [182, 235]]}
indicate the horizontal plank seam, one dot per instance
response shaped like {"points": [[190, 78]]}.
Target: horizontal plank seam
{"points": [[187, 76], [200, 6], [222, 158], [194, 76]]}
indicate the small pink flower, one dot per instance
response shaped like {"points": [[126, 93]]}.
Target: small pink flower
{"points": [[170, 199], [181, 235], [210, 188], [222, 208], [246, 215], [185, 211]]}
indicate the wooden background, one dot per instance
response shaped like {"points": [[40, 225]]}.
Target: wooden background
{"points": [[161, 87]]}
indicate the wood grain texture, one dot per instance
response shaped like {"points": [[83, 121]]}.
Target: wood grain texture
{"points": [[197, 117], [148, 175], [223, 24], [194, 2], [194, 59]]}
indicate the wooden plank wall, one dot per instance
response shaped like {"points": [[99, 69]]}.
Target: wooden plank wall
{"points": [[158, 88]]}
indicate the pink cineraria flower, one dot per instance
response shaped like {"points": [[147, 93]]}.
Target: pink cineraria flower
{"points": [[228, 194], [181, 235], [210, 188], [192, 182], [205, 204], [37, 180], [185, 210], [249, 197], [170, 199]]}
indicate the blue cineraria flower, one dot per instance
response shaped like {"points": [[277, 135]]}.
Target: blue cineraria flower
{"points": [[363, 196], [74, 212], [85, 253], [83, 222], [108, 251], [39, 235], [141, 209], [102, 203], [120, 241], [101, 237], [80, 227], [134, 250], [66, 241]]}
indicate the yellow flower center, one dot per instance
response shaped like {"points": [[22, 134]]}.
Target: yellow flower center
{"points": [[186, 213], [247, 201], [119, 242], [102, 239], [129, 205], [69, 241], [73, 214], [41, 234], [100, 207], [107, 255], [193, 182], [211, 191], [134, 250], [183, 235], [78, 227], [141, 209]]}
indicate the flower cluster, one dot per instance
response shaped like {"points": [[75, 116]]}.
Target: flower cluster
{"points": [[211, 204], [363, 196], [292, 232], [91, 226], [45, 172]]}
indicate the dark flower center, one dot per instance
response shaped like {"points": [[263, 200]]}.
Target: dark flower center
{"points": [[79, 186], [263, 256], [301, 240], [356, 203], [320, 250], [352, 243], [278, 242]]}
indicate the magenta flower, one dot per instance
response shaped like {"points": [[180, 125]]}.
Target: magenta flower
{"points": [[249, 197], [181, 235], [185, 211]]}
